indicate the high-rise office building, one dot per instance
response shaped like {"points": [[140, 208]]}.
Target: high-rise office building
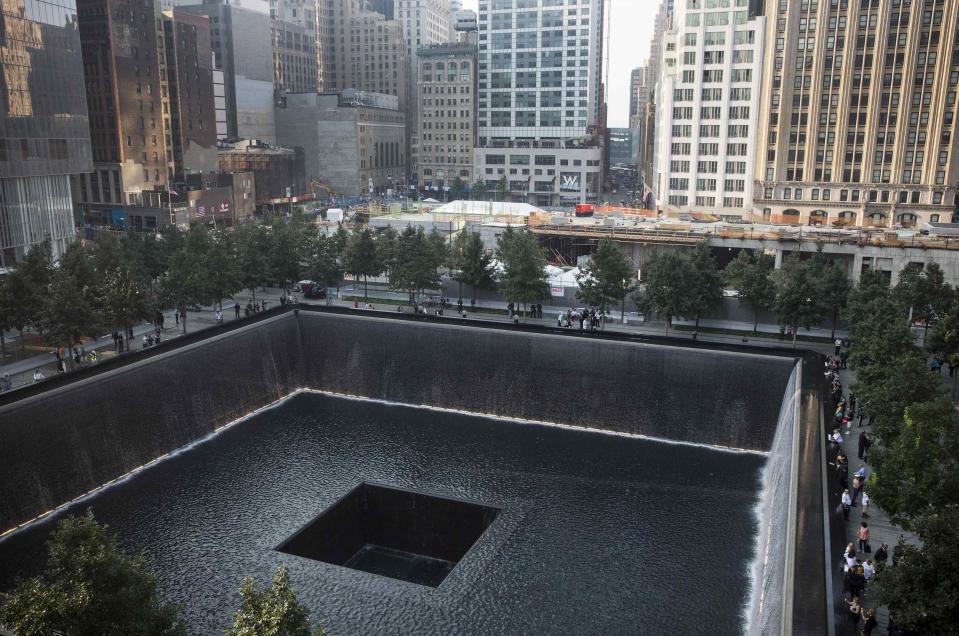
{"points": [[243, 50], [645, 124], [637, 79], [858, 113], [44, 133], [539, 90], [150, 98], [446, 107], [425, 23], [297, 49], [294, 57], [705, 108]]}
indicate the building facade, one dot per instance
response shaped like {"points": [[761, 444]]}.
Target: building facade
{"points": [[425, 23], [243, 50], [274, 169], [637, 79], [705, 108], [858, 113], [353, 141], [539, 89], [44, 132], [446, 111], [294, 57], [151, 101]]}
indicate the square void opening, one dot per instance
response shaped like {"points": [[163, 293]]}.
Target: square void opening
{"points": [[397, 533]]}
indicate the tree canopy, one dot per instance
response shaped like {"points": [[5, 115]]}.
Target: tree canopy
{"points": [[89, 586], [274, 611], [607, 278], [524, 267], [748, 274]]}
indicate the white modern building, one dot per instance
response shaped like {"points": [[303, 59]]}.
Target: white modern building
{"points": [[706, 108], [540, 87]]}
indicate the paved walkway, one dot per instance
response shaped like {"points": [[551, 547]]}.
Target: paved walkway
{"points": [[21, 371], [881, 529]]}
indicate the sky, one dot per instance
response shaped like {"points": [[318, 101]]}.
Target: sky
{"points": [[630, 33]]}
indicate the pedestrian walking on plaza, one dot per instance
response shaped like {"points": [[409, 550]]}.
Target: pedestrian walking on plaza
{"points": [[7, 383], [38, 376], [865, 504], [176, 316], [881, 555], [846, 504], [869, 622], [218, 315], [838, 345], [864, 537], [864, 444], [236, 309]]}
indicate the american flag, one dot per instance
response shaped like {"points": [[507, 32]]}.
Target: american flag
{"points": [[201, 210]]}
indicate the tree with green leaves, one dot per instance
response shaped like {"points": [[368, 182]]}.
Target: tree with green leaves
{"points": [[523, 260], [290, 245], [187, 283], [71, 308], [502, 188], [921, 589], [252, 251], [705, 283], [797, 302], [89, 586], [917, 469], [122, 301], [224, 278], [457, 187], [479, 191], [325, 261], [361, 257], [274, 611], [665, 285], [923, 290], [606, 279], [26, 289], [417, 261], [387, 241], [749, 274], [834, 293], [872, 286], [473, 264]]}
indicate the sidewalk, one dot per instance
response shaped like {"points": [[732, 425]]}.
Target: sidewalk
{"points": [[21, 371], [881, 529]]}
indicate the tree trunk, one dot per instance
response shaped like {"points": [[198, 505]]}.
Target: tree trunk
{"points": [[366, 287], [795, 329], [3, 343], [669, 319], [835, 316], [756, 320], [22, 345]]}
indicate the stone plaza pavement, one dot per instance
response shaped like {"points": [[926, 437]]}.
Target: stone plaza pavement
{"points": [[881, 529]]}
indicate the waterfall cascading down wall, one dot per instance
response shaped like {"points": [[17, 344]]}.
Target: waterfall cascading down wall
{"points": [[62, 443], [774, 542]]}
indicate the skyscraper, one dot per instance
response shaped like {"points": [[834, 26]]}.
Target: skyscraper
{"points": [[858, 113], [540, 87], [425, 23], [446, 96], [243, 50], [637, 79], [44, 133], [705, 108], [150, 97]]}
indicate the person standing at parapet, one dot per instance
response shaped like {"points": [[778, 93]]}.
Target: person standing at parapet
{"points": [[846, 504]]}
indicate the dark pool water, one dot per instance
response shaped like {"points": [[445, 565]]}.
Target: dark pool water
{"points": [[597, 535]]}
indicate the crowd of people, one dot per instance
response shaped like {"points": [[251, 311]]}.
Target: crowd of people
{"points": [[588, 318], [859, 562]]}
